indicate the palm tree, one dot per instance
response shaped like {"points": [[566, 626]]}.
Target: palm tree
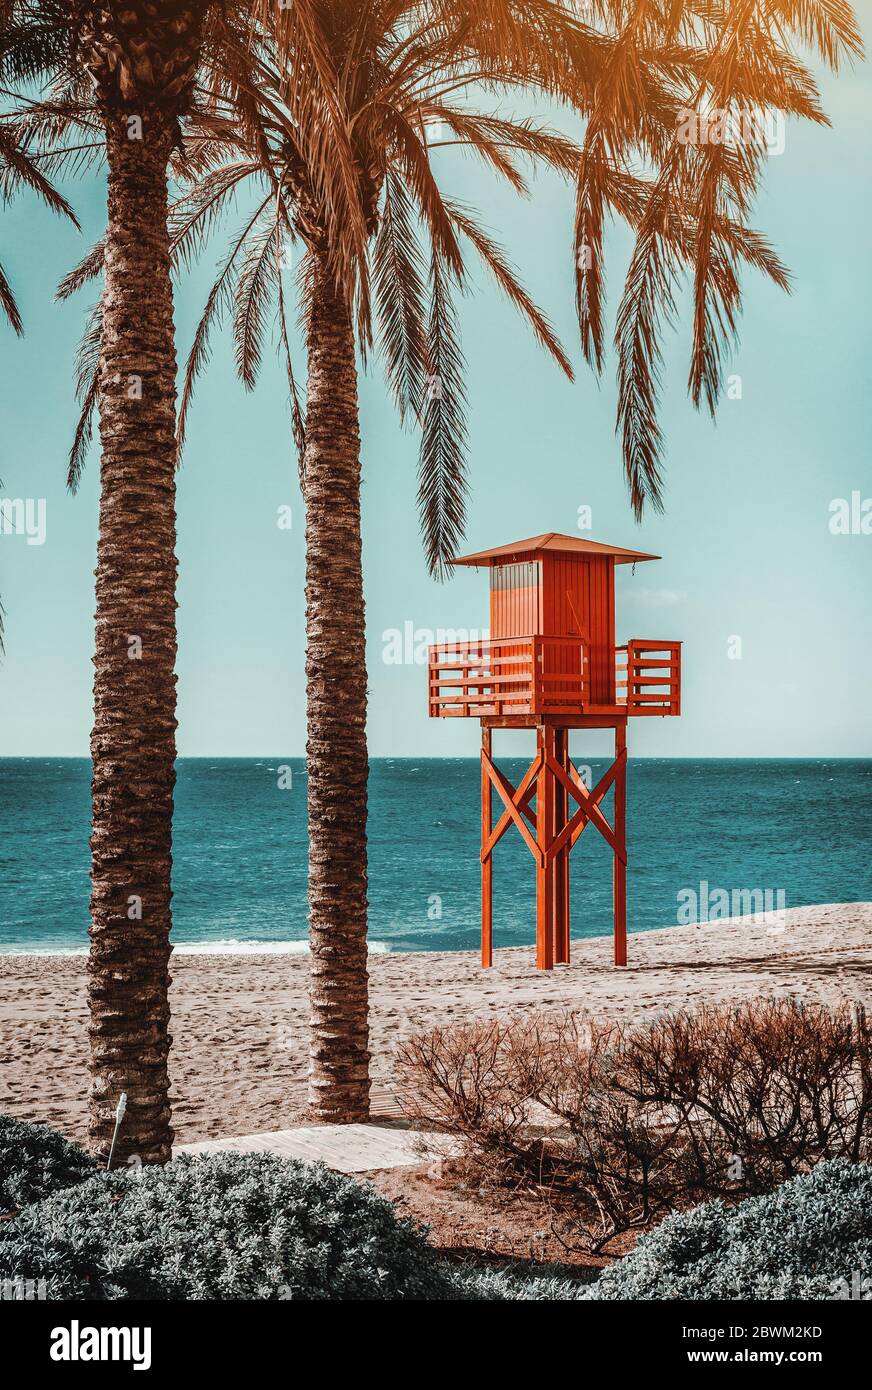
{"points": [[412, 293], [125, 72], [347, 171], [344, 156], [425, 370]]}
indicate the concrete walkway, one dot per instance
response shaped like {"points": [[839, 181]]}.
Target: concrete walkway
{"points": [[346, 1148]]}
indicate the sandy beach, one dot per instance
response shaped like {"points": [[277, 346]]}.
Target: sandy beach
{"points": [[239, 1021]]}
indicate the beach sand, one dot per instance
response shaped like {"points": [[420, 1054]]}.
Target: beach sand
{"points": [[239, 1056]]}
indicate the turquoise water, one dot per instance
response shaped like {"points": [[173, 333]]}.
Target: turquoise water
{"points": [[804, 827]]}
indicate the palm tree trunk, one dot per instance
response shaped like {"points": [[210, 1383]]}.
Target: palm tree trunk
{"points": [[133, 740], [336, 713]]}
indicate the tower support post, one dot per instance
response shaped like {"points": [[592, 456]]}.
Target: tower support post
{"points": [[545, 744], [619, 872], [487, 863], [561, 858], [565, 806]]}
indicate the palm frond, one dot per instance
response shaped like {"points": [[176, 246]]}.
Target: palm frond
{"points": [[442, 480], [18, 170], [89, 267], [472, 136], [314, 99], [494, 258], [87, 393], [219, 299], [398, 284], [257, 281], [412, 159], [9, 305], [340, 131], [524, 136], [298, 419], [647, 305], [194, 215], [829, 26], [590, 205]]}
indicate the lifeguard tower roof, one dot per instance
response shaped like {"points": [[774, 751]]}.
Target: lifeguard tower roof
{"points": [[552, 541]]}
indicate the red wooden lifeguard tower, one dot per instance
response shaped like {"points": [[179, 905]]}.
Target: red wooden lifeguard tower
{"points": [[551, 664]]}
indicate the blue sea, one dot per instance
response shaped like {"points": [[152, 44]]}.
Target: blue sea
{"points": [[801, 827]]}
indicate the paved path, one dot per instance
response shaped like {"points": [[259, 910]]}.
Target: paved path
{"points": [[347, 1148]]}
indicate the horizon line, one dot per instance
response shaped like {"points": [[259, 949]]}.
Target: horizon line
{"points": [[473, 757]]}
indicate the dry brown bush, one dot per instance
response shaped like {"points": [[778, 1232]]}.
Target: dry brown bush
{"points": [[616, 1126]]}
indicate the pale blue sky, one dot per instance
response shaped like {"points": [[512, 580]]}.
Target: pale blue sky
{"points": [[746, 542]]}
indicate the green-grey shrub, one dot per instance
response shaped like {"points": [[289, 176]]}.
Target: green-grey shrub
{"points": [[242, 1226], [810, 1239], [224, 1226], [516, 1282], [36, 1161]]}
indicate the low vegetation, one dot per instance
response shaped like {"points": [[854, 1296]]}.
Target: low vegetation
{"points": [[36, 1161], [254, 1226], [230, 1226], [616, 1127], [236, 1226], [811, 1239]]}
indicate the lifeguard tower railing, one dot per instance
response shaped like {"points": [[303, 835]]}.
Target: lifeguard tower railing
{"points": [[549, 676]]}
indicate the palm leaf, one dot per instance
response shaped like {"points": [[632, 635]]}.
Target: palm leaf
{"points": [[494, 258], [412, 159], [829, 26], [442, 481], [257, 280], [18, 169], [648, 303], [89, 267], [194, 215], [526, 137], [219, 299], [8, 303], [298, 420], [398, 283], [87, 393]]}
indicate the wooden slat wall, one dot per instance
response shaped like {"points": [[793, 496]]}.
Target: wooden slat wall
{"points": [[561, 578], [516, 610], [530, 597], [591, 583], [515, 607], [602, 626]]}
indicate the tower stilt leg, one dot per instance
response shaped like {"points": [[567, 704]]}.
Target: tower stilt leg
{"points": [[619, 878], [544, 867], [564, 807], [561, 859], [487, 862]]}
